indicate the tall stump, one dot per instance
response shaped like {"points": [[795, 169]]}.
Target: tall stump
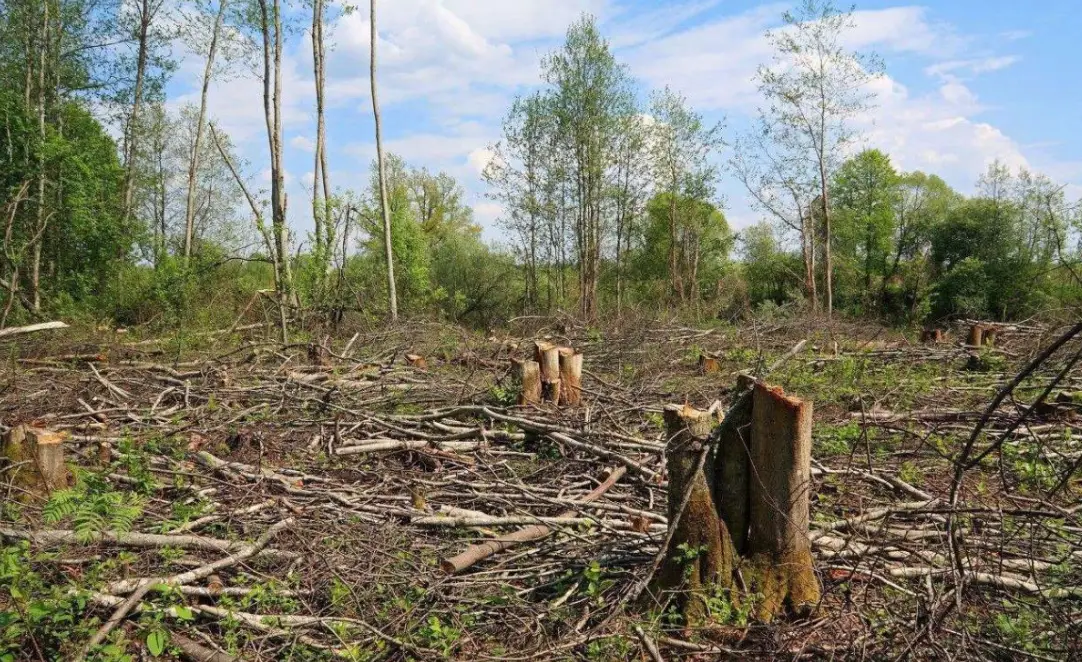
{"points": [[529, 379], [570, 377], [780, 487], [701, 551], [547, 356]]}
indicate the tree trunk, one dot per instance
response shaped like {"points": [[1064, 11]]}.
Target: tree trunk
{"points": [[570, 377], [392, 295], [731, 467], [193, 164], [35, 277], [778, 545], [828, 265]]}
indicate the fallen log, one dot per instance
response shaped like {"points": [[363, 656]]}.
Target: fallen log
{"points": [[31, 328], [481, 551]]}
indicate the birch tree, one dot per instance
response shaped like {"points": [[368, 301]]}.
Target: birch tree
{"points": [[392, 295]]}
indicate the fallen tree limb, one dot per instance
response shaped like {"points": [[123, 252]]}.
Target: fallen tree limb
{"points": [[31, 328], [481, 551]]}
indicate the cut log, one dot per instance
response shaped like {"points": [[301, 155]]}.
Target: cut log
{"points": [[780, 551], [700, 556], [36, 459], [731, 469], [416, 361], [548, 356], [976, 336], [44, 326], [570, 377], [529, 379]]}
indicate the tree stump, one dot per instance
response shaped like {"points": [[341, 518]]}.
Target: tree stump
{"points": [[989, 339], [748, 509], [976, 336], [778, 543], [932, 336], [701, 556], [709, 364], [36, 458], [548, 356], [570, 377], [529, 378]]}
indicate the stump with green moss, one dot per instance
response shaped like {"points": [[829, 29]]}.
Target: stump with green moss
{"points": [[701, 552], [746, 523]]}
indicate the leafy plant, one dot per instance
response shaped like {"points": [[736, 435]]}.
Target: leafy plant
{"points": [[94, 508]]}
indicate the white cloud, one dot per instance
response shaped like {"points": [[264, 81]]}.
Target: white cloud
{"points": [[303, 143], [972, 66]]}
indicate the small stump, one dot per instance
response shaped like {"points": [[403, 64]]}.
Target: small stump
{"points": [[36, 459], [709, 364]]}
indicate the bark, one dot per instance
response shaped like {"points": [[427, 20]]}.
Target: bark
{"points": [[193, 164], [35, 279], [778, 544], [392, 295], [570, 377], [976, 336]]}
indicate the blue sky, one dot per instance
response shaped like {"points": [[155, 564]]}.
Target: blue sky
{"points": [[966, 82]]}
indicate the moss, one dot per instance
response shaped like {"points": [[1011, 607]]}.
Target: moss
{"points": [[785, 583]]}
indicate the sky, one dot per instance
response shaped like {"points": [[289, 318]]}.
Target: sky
{"points": [[966, 82]]}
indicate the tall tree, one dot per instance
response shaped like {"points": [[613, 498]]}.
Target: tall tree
{"points": [[392, 295], [590, 95], [866, 192], [193, 165], [814, 89], [322, 209]]}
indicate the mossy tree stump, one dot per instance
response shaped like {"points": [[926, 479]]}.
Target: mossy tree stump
{"points": [[36, 459], [701, 555], [778, 547], [748, 509]]}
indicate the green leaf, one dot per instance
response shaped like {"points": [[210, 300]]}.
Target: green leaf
{"points": [[156, 641], [184, 613]]}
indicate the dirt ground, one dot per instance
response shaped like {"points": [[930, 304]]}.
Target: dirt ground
{"points": [[301, 500]]}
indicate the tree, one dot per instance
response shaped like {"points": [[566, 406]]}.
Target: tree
{"points": [[813, 90], [590, 95], [322, 209], [865, 194], [392, 297], [680, 148], [193, 164], [686, 243]]}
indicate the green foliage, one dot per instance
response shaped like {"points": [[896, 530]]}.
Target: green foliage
{"points": [[94, 508]]}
